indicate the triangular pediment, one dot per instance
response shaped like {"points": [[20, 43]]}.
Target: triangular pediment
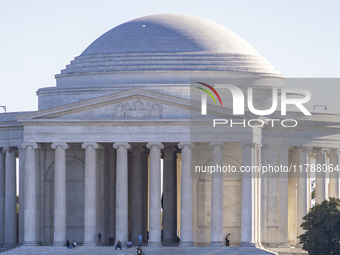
{"points": [[127, 105]]}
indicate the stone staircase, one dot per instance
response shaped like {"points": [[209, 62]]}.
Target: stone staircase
{"points": [[148, 250]]}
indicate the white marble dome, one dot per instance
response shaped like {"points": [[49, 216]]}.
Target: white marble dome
{"points": [[159, 52], [169, 33]]}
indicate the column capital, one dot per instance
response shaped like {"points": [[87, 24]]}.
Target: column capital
{"points": [[294, 149], [307, 151], [326, 151], [33, 145], [158, 145], [247, 144], [63, 145], [181, 145], [311, 153], [88, 144], [219, 144], [333, 150], [125, 145], [9, 149], [320, 149], [306, 148], [258, 146]]}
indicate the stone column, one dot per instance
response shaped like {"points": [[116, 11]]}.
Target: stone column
{"points": [[321, 184], [283, 198], [257, 196], [217, 195], [21, 194], [247, 224], [145, 188], [302, 188], [170, 195], [90, 210], [136, 193], [122, 191], [31, 206], [2, 197], [292, 197], [334, 176], [186, 195], [311, 155], [59, 193], [265, 179], [155, 193], [10, 197], [112, 194]]}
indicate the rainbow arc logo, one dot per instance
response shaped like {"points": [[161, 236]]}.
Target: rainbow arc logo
{"points": [[209, 93]]}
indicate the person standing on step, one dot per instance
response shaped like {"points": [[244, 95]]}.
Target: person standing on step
{"points": [[140, 239], [227, 240], [99, 236]]}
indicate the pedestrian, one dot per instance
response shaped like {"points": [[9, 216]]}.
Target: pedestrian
{"points": [[74, 244], [227, 239], [129, 244], [118, 245], [100, 238], [139, 251], [68, 244], [140, 239]]}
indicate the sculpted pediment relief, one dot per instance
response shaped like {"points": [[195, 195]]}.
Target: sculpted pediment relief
{"points": [[133, 107], [138, 108]]}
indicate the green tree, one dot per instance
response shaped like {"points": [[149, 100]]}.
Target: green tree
{"points": [[322, 226]]}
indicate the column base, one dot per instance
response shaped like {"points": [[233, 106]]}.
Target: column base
{"points": [[186, 243], [247, 244], [216, 243], [9, 245], [283, 245], [59, 243], [91, 244], [153, 243], [31, 244]]}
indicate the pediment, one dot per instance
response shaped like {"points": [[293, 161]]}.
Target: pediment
{"points": [[130, 107], [127, 105], [139, 105]]}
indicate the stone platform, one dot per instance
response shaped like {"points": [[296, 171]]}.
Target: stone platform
{"points": [[103, 250]]}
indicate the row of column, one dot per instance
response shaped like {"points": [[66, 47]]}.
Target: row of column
{"points": [[327, 174], [305, 163], [31, 207], [249, 219]]}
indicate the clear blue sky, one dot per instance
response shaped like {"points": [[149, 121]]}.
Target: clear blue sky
{"points": [[38, 38]]}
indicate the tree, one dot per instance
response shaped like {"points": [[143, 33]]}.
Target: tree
{"points": [[322, 226]]}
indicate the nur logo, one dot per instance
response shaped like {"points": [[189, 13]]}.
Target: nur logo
{"points": [[239, 99]]}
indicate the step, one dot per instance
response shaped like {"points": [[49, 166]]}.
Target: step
{"points": [[155, 250]]}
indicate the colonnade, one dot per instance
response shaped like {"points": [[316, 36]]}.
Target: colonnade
{"points": [[321, 164], [255, 192], [90, 210]]}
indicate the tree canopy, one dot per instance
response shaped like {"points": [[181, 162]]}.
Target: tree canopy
{"points": [[322, 226]]}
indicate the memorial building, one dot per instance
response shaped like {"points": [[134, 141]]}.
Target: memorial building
{"points": [[112, 148]]}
